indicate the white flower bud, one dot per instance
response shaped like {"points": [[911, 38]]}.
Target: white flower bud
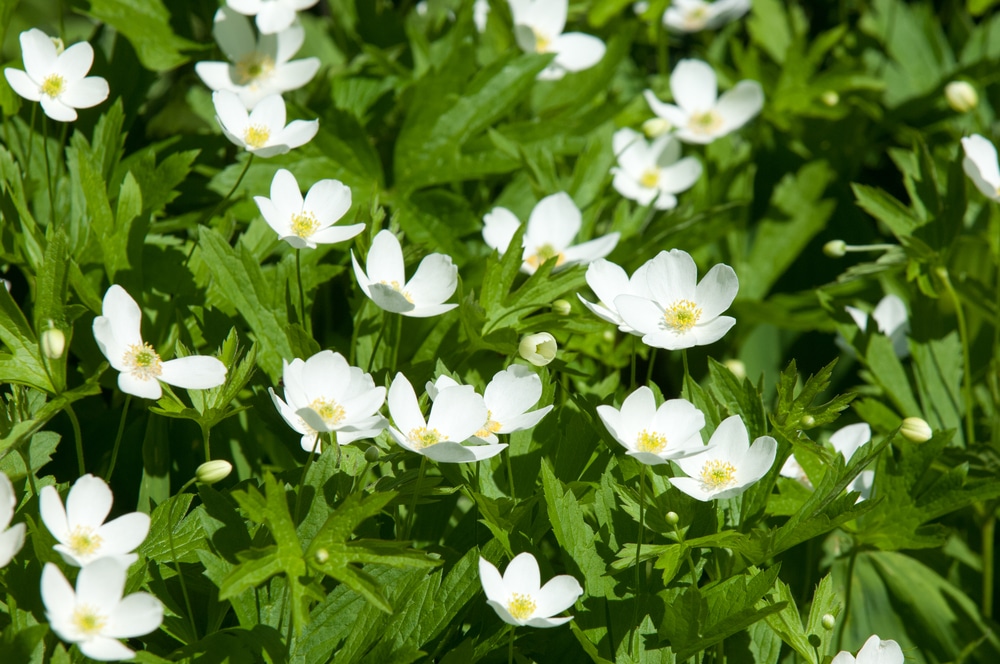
{"points": [[961, 96], [655, 127], [835, 248], [321, 556], [916, 430], [737, 368], [830, 98], [539, 349], [829, 621], [211, 472], [562, 307], [53, 342]]}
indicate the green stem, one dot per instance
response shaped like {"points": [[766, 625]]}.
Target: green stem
{"points": [[81, 466], [510, 473], [26, 459], [963, 332], [48, 168], [302, 480], [31, 142], [413, 502], [649, 369], [246, 167], [510, 646], [378, 342], [638, 550], [302, 296], [177, 567], [634, 351], [847, 595], [118, 438], [684, 359], [206, 435], [988, 532]]}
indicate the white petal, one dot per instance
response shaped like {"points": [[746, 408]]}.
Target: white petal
{"points": [[91, 91], [555, 221], [231, 113], [576, 51], [274, 17], [560, 593], [195, 372], [104, 649], [234, 33], [716, 291], [403, 405], [38, 53], [363, 282], [592, 250], [500, 224], [512, 392], [639, 313], [22, 84], [124, 534], [981, 165], [101, 583], [758, 461], [547, 17], [294, 75], [89, 502], [672, 276], [680, 176], [11, 541], [712, 331], [890, 314], [335, 234], [329, 200], [390, 299], [137, 614], [492, 582], [74, 63], [57, 595], [848, 439], [298, 132], [694, 86], [522, 575], [53, 513], [427, 311], [435, 280], [215, 75], [693, 488], [451, 452], [739, 105], [675, 115], [458, 412], [385, 259], [57, 110], [149, 388]]}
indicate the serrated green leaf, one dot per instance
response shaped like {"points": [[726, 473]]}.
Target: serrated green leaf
{"points": [[146, 24]]}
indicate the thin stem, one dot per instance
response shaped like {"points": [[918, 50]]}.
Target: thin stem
{"points": [[302, 296], [177, 567], [81, 466], [634, 351], [378, 341], [510, 646], [510, 474], [684, 359], [246, 167], [652, 362], [206, 435], [988, 532], [302, 480], [48, 168], [963, 332], [847, 595], [31, 142], [638, 550], [413, 502], [26, 459], [118, 438]]}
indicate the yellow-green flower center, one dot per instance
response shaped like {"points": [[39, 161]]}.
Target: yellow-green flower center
{"points": [[142, 361], [544, 253], [650, 178], [521, 607], [304, 224], [716, 474], [543, 43], [682, 315], [423, 437], [255, 136], [696, 18], [491, 426], [331, 411], [705, 123], [53, 85], [650, 442], [253, 66], [394, 285], [89, 620], [84, 541]]}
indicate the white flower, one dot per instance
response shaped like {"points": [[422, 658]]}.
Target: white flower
{"points": [[981, 166], [384, 279], [480, 14], [519, 598], [260, 67], [306, 223], [608, 281], [552, 227], [961, 96], [875, 651], [457, 413], [655, 435], [83, 536], [11, 539], [845, 440], [681, 311], [700, 115], [272, 15], [729, 465], [261, 131], [95, 615], [652, 172], [792, 469], [325, 393], [118, 336], [697, 15], [538, 28], [539, 348], [892, 321], [57, 79]]}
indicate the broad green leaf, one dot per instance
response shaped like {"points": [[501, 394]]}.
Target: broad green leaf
{"points": [[146, 24]]}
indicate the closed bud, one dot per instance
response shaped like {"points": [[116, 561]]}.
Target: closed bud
{"points": [[371, 454], [807, 420], [321, 556], [672, 518], [656, 127], [835, 248], [53, 342], [961, 96], [830, 98], [737, 368], [211, 472], [562, 307], [539, 348], [916, 430], [829, 621], [608, 335]]}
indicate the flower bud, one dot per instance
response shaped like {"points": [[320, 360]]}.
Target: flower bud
{"points": [[656, 127], [835, 248], [829, 621], [371, 454], [961, 96], [807, 420], [830, 98], [539, 348], [737, 368], [916, 430], [672, 518], [321, 556], [562, 307], [211, 472], [53, 342], [608, 335]]}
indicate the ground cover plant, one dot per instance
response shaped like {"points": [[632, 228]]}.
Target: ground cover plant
{"points": [[484, 331]]}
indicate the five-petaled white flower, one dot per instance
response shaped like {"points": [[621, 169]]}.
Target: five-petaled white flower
{"points": [[892, 321], [272, 15], [552, 227], [11, 539], [538, 28], [652, 172], [306, 223], [258, 67], [457, 413], [698, 15], [875, 651], [261, 131], [654, 435], [58, 79], [980, 164], [608, 281], [729, 465], [701, 116], [324, 393], [141, 369], [83, 536], [95, 615], [681, 312], [384, 279], [519, 598]]}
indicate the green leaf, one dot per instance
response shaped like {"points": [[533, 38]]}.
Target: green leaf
{"points": [[886, 209], [146, 24], [21, 362]]}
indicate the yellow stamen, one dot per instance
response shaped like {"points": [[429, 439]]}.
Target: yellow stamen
{"points": [[252, 67], [650, 442], [304, 224], [255, 136], [491, 426], [84, 541], [520, 607], [544, 253], [682, 315], [423, 437], [650, 178], [89, 620], [53, 85], [394, 285], [696, 18], [331, 411], [705, 123], [542, 42], [716, 474], [142, 361]]}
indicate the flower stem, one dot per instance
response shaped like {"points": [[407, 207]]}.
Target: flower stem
{"points": [[378, 342], [206, 435], [652, 362], [510, 646], [31, 142], [81, 466], [963, 332], [302, 296], [118, 438], [48, 168], [988, 531], [177, 567], [634, 351], [638, 551], [413, 502], [847, 595], [684, 359], [510, 473], [302, 480], [246, 167]]}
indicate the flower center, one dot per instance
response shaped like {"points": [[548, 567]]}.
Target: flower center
{"points": [[650, 178], [696, 18], [716, 474], [650, 442], [491, 426], [331, 411], [89, 620], [394, 285], [304, 224], [706, 123], [542, 42], [53, 85], [142, 361], [682, 315], [423, 437], [520, 607], [544, 253], [252, 67], [84, 541], [255, 136]]}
